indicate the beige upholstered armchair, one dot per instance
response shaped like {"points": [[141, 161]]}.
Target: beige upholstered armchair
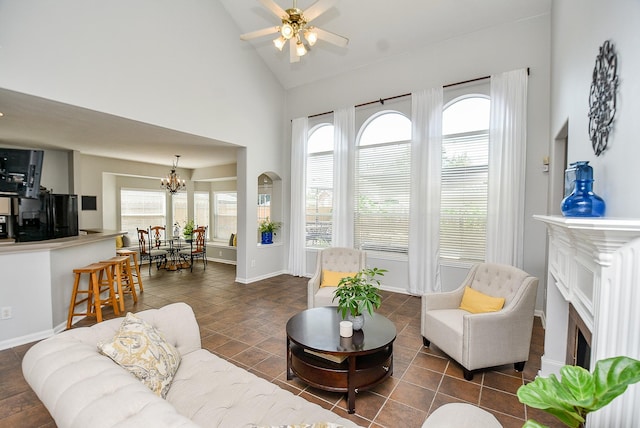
{"points": [[334, 259], [481, 340]]}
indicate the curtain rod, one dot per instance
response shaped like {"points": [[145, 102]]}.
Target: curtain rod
{"points": [[382, 100]]}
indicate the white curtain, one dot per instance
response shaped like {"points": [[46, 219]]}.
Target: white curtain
{"points": [[343, 140], [507, 167], [424, 214], [297, 257]]}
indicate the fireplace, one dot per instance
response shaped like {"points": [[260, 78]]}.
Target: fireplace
{"points": [[578, 341], [592, 302]]}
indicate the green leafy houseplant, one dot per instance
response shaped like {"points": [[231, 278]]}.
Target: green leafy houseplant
{"points": [[267, 225], [187, 230], [579, 392], [358, 293]]}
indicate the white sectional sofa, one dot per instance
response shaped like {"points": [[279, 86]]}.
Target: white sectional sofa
{"points": [[83, 388]]}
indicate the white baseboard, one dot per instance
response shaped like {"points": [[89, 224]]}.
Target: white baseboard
{"points": [[259, 278], [33, 337], [549, 366], [224, 261]]}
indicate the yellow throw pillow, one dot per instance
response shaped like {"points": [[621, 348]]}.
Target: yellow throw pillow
{"points": [[477, 303], [144, 352], [331, 278], [119, 243]]}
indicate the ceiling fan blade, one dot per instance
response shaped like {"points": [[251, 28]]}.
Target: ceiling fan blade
{"points": [[293, 57], [260, 33], [332, 38], [318, 8], [275, 9]]}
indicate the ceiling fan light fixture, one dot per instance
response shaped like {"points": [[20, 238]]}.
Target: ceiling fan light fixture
{"points": [[287, 30], [300, 49], [280, 42], [295, 28], [311, 36]]}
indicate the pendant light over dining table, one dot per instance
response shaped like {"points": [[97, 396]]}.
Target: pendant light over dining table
{"points": [[172, 183]]}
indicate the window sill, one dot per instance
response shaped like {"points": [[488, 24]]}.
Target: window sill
{"points": [[275, 244]]}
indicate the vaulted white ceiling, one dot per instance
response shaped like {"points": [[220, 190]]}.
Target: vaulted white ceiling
{"points": [[377, 30]]}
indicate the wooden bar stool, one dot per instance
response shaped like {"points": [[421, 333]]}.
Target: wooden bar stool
{"points": [[123, 277], [112, 279], [136, 271], [94, 302]]}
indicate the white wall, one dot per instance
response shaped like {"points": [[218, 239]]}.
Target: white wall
{"points": [[507, 47], [179, 65], [579, 28]]}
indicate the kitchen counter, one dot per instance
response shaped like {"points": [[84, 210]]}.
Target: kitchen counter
{"points": [[37, 280], [10, 246]]}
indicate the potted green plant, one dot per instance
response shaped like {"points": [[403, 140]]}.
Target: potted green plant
{"points": [[579, 392], [267, 229], [358, 293], [187, 230]]}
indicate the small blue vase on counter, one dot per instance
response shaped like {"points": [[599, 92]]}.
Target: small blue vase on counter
{"points": [[582, 202]]}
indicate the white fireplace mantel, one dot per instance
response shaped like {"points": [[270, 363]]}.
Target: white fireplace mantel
{"points": [[594, 264]]}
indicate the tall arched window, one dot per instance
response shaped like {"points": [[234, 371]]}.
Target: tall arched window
{"points": [[465, 168], [382, 183], [319, 194]]}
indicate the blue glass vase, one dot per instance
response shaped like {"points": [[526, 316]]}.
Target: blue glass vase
{"points": [[582, 202]]}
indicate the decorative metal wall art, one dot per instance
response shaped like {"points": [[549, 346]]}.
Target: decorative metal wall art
{"points": [[602, 97]]}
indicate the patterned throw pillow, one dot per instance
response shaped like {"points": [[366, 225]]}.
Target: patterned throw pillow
{"points": [[143, 351]]}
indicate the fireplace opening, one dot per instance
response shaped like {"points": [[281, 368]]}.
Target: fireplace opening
{"points": [[578, 341]]}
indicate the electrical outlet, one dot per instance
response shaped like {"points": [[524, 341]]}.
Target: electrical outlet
{"points": [[220, 253], [253, 263], [5, 312]]}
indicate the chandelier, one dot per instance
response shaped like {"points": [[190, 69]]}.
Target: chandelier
{"points": [[172, 183]]}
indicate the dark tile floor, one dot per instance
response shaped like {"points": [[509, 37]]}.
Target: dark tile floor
{"points": [[245, 324]]}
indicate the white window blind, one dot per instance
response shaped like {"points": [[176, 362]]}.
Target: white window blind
{"points": [[382, 184], [319, 187], [179, 206], [141, 209], [463, 216], [225, 215], [382, 188], [201, 210], [319, 199]]}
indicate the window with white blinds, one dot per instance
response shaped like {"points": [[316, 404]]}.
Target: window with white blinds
{"points": [[141, 209], [201, 210], [225, 215], [382, 184], [179, 209], [319, 191], [465, 167]]}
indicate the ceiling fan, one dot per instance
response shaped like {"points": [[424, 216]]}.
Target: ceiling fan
{"points": [[295, 28]]}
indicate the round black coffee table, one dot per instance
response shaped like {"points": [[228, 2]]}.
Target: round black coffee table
{"points": [[319, 356]]}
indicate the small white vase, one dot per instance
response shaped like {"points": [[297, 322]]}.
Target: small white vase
{"points": [[358, 321]]}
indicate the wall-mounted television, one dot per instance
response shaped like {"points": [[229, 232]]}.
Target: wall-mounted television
{"points": [[20, 172]]}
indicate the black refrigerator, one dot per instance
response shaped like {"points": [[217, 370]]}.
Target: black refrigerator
{"points": [[48, 217]]}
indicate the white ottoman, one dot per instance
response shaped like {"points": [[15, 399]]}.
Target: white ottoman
{"points": [[460, 415]]}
